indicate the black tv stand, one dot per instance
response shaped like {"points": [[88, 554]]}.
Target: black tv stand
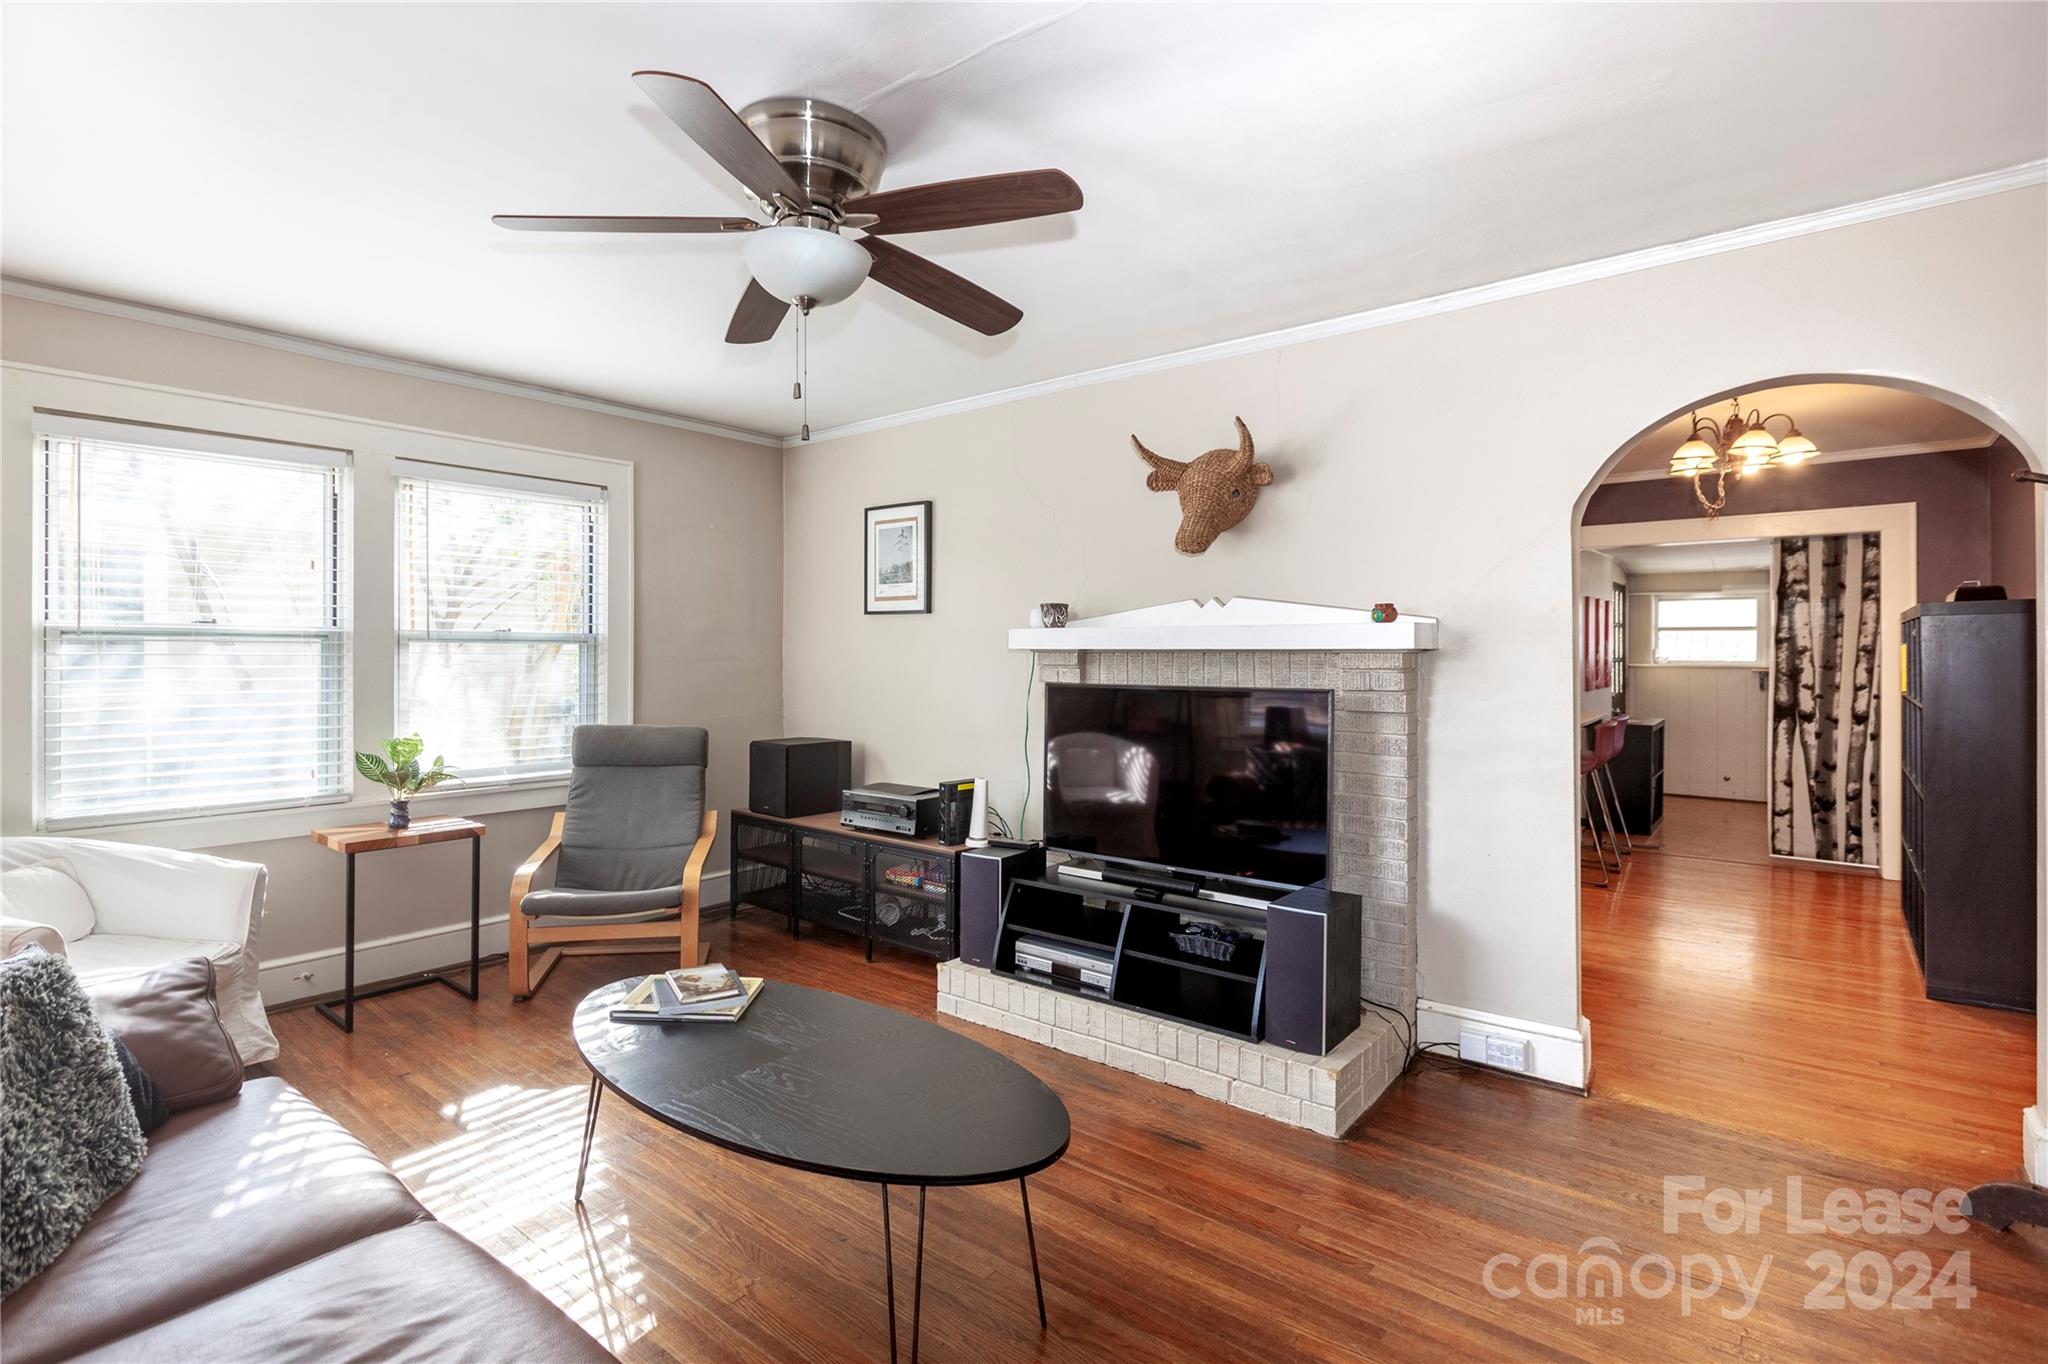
{"points": [[1292, 979], [1153, 886]]}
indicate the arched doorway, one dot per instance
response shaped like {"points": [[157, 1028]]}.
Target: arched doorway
{"points": [[1782, 987]]}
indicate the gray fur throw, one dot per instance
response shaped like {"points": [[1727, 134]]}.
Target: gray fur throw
{"points": [[69, 1140]]}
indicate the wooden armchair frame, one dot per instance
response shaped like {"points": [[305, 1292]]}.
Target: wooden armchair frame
{"points": [[592, 939]]}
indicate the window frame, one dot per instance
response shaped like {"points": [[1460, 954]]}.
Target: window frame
{"points": [[594, 686], [371, 619], [50, 428], [1763, 628]]}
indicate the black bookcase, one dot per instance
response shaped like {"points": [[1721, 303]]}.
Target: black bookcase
{"points": [[1638, 772], [1967, 806]]}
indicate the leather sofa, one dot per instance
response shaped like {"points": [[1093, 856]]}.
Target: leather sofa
{"points": [[259, 1229]]}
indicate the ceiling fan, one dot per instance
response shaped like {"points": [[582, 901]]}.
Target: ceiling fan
{"points": [[812, 168]]}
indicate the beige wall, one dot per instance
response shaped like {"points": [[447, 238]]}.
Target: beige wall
{"points": [[707, 592], [1438, 463]]}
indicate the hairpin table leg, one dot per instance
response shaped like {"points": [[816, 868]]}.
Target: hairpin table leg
{"points": [[889, 1271], [917, 1279], [1031, 1240], [589, 1133]]}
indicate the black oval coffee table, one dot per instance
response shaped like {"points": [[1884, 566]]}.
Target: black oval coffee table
{"points": [[836, 1087]]}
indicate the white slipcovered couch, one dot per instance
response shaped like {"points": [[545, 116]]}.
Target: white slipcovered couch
{"points": [[137, 908]]}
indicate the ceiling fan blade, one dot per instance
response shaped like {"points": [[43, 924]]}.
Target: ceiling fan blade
{"points": [[757, 318], [970, 203], [696, 108], [530, 222], [939, 289]]}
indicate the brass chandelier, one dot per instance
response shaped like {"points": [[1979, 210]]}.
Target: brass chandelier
{"points": [[1737, 445]]}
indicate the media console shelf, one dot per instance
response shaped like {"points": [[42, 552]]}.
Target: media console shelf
{"points": [[1152, 974], [878, 887]]}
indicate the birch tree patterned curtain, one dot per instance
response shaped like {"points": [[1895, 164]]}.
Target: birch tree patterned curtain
{"points": [[1825, 676]]}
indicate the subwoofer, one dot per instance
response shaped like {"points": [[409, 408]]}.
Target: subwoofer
{"points": [[788, 778], [985, 875]]}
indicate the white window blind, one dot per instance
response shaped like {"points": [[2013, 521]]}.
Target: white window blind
{"points": [[501, 618], [194, 652]]}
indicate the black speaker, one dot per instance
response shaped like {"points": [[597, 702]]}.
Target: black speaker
{"points": [[985, 874], [1312, 969], [792, 777]]}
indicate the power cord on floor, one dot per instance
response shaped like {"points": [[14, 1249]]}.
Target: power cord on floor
{"points": [[1024, 806], [1412, 1048], [1404, 1024]]}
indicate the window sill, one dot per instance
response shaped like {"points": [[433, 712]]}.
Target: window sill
{"points": [[203, 832]]}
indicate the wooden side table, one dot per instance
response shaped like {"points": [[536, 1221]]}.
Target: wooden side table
{"points": [[352, 841]]}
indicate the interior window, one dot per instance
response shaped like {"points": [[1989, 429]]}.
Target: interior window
{"points": [[1708, 629]]}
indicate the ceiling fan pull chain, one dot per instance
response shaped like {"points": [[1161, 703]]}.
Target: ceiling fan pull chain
{"points": [[803, 361]]}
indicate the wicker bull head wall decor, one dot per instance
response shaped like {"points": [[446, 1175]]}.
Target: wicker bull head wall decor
{"points": [[1216, 490]]}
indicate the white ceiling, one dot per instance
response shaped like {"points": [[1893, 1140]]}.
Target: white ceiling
{"points": [[1839, 418], [329, 170], [1705, 556]]}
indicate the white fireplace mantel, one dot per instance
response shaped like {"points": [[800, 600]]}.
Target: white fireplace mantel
{"points": [[1242, 623]]}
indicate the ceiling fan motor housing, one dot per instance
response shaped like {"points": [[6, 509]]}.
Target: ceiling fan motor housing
{"points": [[833, 153]]}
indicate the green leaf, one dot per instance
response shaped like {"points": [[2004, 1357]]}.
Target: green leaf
{"points": [[372, 766], [403, 751], [433, 779]]}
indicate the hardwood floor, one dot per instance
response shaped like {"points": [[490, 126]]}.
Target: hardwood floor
{"points": [[1717, 830], [1175, 1228], [1783, 1000]]}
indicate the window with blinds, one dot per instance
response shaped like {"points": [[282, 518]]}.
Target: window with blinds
{"points": [[193, 609], [501, 614]]}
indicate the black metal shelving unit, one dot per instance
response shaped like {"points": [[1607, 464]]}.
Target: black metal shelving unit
{"points": [[898, 892]]}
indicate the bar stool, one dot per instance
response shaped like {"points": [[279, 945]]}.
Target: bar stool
{"points": [[1591, 762], [1620, 724]]}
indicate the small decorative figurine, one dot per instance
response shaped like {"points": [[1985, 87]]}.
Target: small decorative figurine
{"points": [[1383, 613]]}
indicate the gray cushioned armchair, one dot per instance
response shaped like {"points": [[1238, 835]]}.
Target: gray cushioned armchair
{"points": [[627, 854]]}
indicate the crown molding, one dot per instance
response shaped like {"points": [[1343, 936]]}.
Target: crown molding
{"points": [[1927, 447], [366, 359], [2022, 176]]}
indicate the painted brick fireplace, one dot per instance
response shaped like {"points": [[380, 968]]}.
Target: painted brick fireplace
{"points": [[1375, 819]]}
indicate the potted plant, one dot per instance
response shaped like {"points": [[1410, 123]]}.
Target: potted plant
{"points": [[399, 768]]}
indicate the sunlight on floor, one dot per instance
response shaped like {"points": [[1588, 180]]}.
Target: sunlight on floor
{"points": [[505, 1183]]}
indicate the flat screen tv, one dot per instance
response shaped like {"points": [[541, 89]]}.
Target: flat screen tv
{"points": [[1208, 781]]}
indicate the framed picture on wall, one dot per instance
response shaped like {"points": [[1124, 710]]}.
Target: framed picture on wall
{"points": [[897, 562]]}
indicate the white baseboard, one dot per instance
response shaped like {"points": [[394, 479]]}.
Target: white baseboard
{"points": [[2034, 1129], [1563, 1056], [287, 980]]}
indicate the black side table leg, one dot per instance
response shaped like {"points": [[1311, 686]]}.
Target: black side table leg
{"points": [[346, 1018], [917, 1279], [476, 911], [889, 1271], [589, 1132], [1031, 1240]]}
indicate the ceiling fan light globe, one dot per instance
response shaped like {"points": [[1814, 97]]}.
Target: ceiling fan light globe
{"points": [[806, 262]]}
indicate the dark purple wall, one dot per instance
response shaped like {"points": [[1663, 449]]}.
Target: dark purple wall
{"points": [[2012, 520], [1967, 506]]}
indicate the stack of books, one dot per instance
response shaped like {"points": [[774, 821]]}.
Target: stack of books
{"points": [[702, 994]]}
